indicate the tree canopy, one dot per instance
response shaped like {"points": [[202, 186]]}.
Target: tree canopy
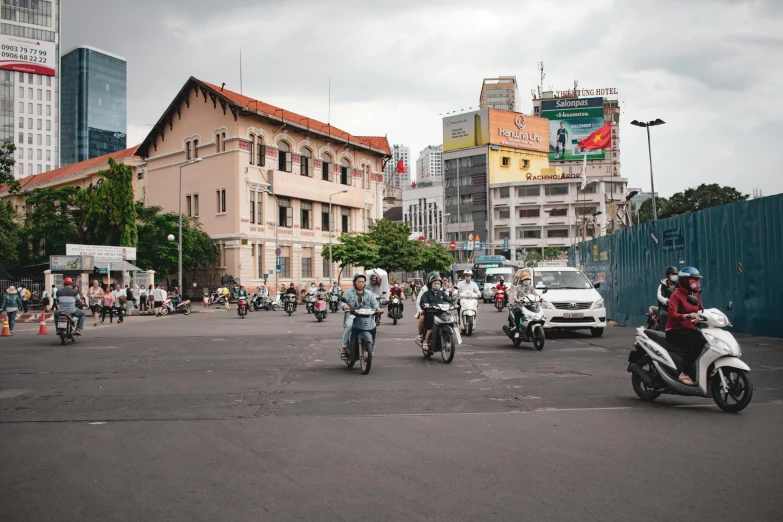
{"points": [[353, 249], [690, 200]]}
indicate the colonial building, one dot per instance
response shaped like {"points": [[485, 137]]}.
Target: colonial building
{"points": [[264, 179]]}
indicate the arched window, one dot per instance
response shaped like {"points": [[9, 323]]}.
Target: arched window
{"points": [[252, 150], [284, 156], [345, 172], [366, 177], [260, 151], [306, 162], [326, 166]]}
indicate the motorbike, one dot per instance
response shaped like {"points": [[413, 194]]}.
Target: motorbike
{"points": [[394, 309], [468, 312], [182, 308], [310, 302], [362, 343], [720, 373], [445, 337], [320, 309], [290, 303], [242, 307], [66, 326], [264, 303], [500, 298], [653, 319], [334, 302], [531, 325]]}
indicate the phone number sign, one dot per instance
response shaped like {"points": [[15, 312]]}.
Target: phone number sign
{"points": [[27, 55]]}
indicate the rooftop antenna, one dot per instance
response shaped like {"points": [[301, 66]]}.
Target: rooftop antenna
{"points": [[542, 76], [240, 70], [221, 87]]}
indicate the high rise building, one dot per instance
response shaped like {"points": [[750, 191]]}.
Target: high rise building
{"points": [[392, 177], [429, 165], [94, 85], [422, 209], [30, 83], [500, 93]]}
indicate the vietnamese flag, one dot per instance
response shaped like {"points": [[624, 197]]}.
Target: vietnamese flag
{"points": [[400, 167], [600, 139]]}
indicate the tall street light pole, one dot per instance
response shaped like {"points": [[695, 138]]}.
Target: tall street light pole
{"points": [[277, 218], [179, 244], [330, 233], [647, 125]]}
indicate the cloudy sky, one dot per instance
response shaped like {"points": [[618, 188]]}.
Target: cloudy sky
{"points": [[710, 68]]}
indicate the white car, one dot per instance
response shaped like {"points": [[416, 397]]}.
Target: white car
{"points": [[492, 277], [571, 301]]}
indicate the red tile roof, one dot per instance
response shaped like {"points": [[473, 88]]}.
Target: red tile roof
{"points": [[376, 142], [45, 177]]}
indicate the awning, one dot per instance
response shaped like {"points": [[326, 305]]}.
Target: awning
{"points": [[118, 266]]}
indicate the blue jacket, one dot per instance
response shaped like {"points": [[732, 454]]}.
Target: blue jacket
{"points": [[10, 301], [350, 297]]}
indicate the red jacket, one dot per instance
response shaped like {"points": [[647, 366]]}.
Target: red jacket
{"points": [[395, 291], [501, 286], [678, 307]]}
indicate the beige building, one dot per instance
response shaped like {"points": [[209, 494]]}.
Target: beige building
{"points": [[500, 93], [250, 150]]}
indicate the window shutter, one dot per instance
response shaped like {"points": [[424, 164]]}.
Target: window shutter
{"points": [[289, 216]]}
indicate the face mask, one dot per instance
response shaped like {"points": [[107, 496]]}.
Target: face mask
{"points": [[436, 287], [526, 282], [673, 278], [695, 284]]}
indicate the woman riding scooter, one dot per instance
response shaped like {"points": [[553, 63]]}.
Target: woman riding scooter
{"points": [[429, 301], [681, 329], [525, 287], [665, 290]]}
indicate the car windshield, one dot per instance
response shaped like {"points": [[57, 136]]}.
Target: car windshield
{"points": [[562, 280], [494, 278]]}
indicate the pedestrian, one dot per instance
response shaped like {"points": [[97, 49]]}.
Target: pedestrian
{"points": [[143, 300], [108, 306], [130, 300], [119, 301], [11, 305], [159, 295], [96, 300], [54, 297], [45, 301]]}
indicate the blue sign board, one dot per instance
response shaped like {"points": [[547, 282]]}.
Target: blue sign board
{"points": [[277, 251], [277, 264], [464, 245], [505, 244], [483, 245]]}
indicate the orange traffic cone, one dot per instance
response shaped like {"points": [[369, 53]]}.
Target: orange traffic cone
{"points": [[6, 328], [42, 324]]}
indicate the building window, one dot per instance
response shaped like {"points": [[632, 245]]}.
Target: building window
{"points": [[195, 204], [345, 172], [39, 124], [326, 267], [48, 110], [589, 189], [306, 216], [467, 218], [366, 177], [325, 221], [560, 233], [38, 154], [49, 125], [306, 162], [260, 263], [529, 212], [502, 233], [21, 138], [49, 78], [528, 234], [285, 213], [307, 267], [260, 153], [195, 148], [556, 190], [188, 206], [504, 213], [285, 267], [21, 122], [326, 167], [48, 140], [528, 192], [505, 161], [252, 204], [466, 199], [585, 211], [48, 95], [217, 142], [558, 212], [346, 220], [30, 156], [221, 201], [39, 109], [21, 169], [187, 150], [252, 150], [30, 137], [30, 120], [284, 157]]}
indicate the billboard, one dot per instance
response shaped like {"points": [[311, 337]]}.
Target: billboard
{"points": [[27, 55], [102, 252], [570, 121], [513, 129], [71, 263], [470, 129]]}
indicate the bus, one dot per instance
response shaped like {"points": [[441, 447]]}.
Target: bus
{"points": [[484, 262]]}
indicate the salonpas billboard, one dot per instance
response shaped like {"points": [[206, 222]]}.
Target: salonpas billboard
{"points": [[570, 121], [496, 127], [466, 130]]}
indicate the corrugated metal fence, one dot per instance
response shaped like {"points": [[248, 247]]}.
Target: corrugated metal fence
{"points": [[738, 248]]}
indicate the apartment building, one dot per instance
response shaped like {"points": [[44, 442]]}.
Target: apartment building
{"points": [[429, 165]]}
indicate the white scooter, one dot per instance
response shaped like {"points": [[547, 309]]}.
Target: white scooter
{"points": [[468, 312], [720, 372]]}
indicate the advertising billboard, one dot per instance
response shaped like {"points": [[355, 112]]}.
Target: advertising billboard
{"points": [[27, 55], [102, 252], [470, 129], [513, 129], [570, 121], [71, 263]]}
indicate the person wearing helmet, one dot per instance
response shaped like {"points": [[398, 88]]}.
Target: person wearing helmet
{"points": [[397, 290], [681, 329], [67, 298], [523, 288], [420, 313], [502, 286], [467, 283], [353, 298], [665, 289], [431, 298], [321, 292], [335, 289]]}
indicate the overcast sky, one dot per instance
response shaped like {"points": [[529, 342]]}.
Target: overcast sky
{"points": [[710, 68]]}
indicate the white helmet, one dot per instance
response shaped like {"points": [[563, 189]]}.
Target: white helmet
{"points": [[468, 272]]}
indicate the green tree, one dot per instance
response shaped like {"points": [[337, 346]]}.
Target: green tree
{"points": [[7, 162], [553, 253], [703, 196], [532, 257], [49, 224], [395, 249], [353, 249], [645, 209], [112, 216], [434, 258], [10, 232]]}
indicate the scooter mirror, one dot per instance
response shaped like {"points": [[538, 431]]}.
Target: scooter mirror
{"points": [[596, 285], [730, 305], [545, 290], [692, 300]]}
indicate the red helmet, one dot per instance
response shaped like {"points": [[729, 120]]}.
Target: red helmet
{"points": [[68, 281]]}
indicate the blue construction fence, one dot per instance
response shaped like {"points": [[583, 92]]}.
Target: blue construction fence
{"points": [[737, 247]]}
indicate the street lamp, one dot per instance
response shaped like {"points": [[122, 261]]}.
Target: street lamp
{"points": [[647, 125], [179, 243], [629, 204], [330, 233]]}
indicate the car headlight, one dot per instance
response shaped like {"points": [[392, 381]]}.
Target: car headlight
{"points": [[598, 304], [717, 343]]}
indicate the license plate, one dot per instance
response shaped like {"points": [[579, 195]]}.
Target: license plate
{"points": [[62, 326], [573, 316]]}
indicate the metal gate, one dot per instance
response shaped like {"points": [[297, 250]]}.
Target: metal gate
{"points": [[141, 280]]}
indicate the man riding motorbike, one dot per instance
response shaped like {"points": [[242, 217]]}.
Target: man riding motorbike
{"points": [[681, 330], [467, 284], [67, 298], [354, 298], [429, 301], [665, 290], [502, 286], [525, 287], [321, 292], [397, 290], [419, 312], [335, 289]]}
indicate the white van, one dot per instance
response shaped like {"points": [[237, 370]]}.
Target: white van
{"points": [[571, 300], [492, 276]]}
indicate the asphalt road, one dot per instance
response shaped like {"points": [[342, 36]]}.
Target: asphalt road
{"points": [[210, 417]]}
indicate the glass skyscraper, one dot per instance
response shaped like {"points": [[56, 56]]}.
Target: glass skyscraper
{"points": [[94, 104]]}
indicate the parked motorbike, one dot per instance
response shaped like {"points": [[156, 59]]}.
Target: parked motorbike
{"points": [[468, 312], [500, 298], [653, 319], [445, 337], [362, 343], [320, 309], [720, 373], [334, 302], [290, 303], [66, 326], [531, 324], [394, 309], [242, 307], [310, 303], [182, 308]]}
